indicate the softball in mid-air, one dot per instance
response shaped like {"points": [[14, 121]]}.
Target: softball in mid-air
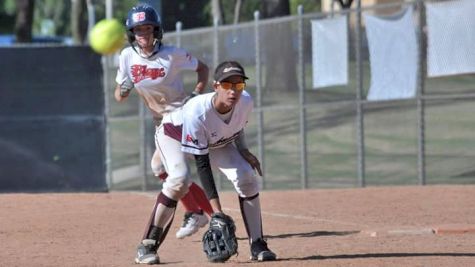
{"points": [[107, 36]]}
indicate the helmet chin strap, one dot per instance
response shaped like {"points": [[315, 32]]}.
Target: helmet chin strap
{"points": [[154, 52]]}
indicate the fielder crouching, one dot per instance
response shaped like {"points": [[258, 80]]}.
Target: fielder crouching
{"points": [[211, 127]]}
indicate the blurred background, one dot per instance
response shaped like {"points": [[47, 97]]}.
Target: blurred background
{"points": [[68, 22], [347, 93]]}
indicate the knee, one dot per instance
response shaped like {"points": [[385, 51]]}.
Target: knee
{"points": [[175, 188], [247, 185]]}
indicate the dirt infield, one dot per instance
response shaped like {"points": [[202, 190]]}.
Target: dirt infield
{"points": [[390, 226]]}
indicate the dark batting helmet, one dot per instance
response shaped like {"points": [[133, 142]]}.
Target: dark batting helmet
{"points": [[143, 14]]}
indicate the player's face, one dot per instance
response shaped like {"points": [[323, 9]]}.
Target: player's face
{"points": [[144, 35], [229, 90]]}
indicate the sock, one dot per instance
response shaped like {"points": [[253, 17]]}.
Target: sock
{"points": [[201, 198], [161, 218], [165, 210], [251, 214], [190, 203]]}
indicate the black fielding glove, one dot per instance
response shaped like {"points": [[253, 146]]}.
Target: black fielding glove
{"points": [[219, 242]]}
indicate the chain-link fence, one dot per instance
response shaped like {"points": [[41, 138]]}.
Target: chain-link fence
{"points": [[327, 137]]}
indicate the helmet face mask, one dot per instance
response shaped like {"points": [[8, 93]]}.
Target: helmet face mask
{"points": [[143, 15]]}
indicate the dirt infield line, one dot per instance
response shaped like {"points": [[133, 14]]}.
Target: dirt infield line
{"points": [[301, 217], [454, 229], [437, 230]]}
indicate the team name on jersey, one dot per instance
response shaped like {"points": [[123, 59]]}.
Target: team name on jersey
{"points": [[190, 139], [141, 72], [224, 141]]}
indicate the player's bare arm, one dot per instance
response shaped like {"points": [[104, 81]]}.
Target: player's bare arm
{"points": [[203, 72], [251, 159], [241, 145]]}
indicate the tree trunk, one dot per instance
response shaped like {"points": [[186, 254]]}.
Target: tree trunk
{"points": [[78, 21], [345, 4], [279, 56], [237, 11], [24, 20], [217, 11]]}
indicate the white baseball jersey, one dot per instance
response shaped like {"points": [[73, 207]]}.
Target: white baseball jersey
{"points": [[203, 129], [157, 79]]}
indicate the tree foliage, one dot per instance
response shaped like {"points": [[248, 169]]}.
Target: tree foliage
{"points": [[7, 16], [54, 17], [79, 21], [190, 13], [309, 6]]}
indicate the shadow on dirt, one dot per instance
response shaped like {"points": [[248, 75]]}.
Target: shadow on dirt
{"points": [[381, 255], [314, 234], [309, 234]]}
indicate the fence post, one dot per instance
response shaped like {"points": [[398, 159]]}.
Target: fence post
{"points": [[332, 8], [215, 43], [106, 62], [301, 84], [359, 97], [143, 147], [420, 94], [260, 115], [109, 9], [219, 176], [178, 27]]}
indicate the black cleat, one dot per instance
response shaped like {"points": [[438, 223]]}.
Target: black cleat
{"points": [[260, 251]]}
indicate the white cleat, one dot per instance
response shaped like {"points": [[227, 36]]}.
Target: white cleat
{"points": [[191, 224], [147, 252]]}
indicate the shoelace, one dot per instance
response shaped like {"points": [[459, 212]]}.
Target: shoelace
{"points": [[187, 218]]}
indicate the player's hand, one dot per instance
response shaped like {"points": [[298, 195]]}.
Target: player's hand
{"points": [[252, 160], [162, 175], [157, 167], [126, 87]]}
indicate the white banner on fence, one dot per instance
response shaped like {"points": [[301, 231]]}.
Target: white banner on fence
{"points": [[393, 56], [330, 52], [451, 37]]}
